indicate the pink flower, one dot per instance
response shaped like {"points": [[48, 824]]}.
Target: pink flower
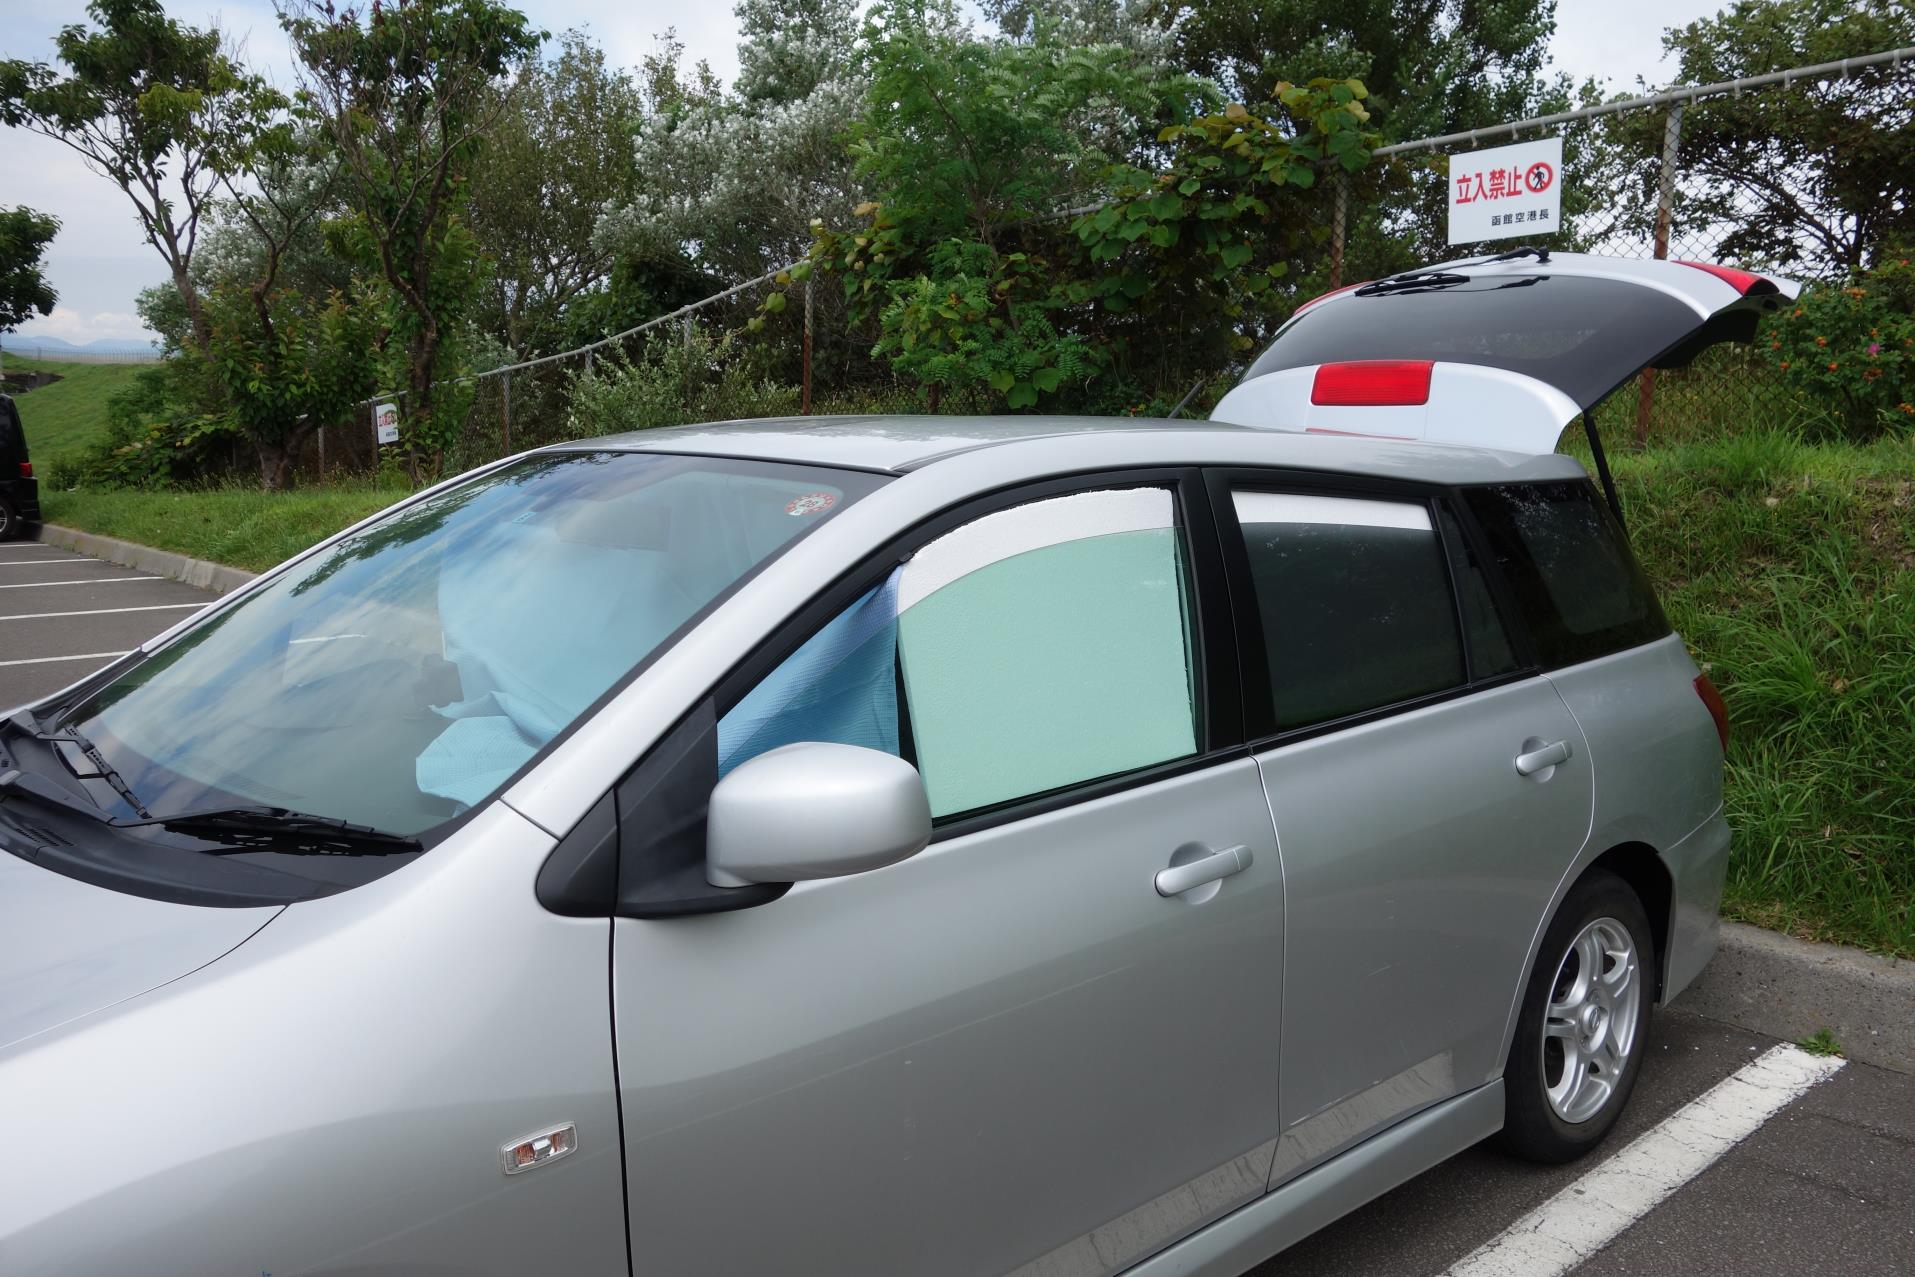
{"points": [[1875, 348]]}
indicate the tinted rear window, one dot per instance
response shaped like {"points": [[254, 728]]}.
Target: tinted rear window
{"points": [[1581, 335], [1579, 587], [1353, 601], [1489, 651]]}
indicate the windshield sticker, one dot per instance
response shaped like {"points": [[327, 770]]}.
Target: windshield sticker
{"points": [[811, 503]]}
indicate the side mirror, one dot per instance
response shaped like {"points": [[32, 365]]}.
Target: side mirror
{"points": [[814, 810]]}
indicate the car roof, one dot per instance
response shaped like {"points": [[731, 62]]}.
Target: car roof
{"points": [[900, 443]]}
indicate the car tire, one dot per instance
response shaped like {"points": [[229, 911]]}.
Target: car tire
{"points": [[1580, 1042], [11, 525]]}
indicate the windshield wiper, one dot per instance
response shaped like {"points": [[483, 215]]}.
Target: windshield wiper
{"points": [[102, 770], [1525, 250], [272, 828], [1415, 281]]}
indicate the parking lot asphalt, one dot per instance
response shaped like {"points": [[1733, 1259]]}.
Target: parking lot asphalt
{"points": [[64, 615], [1826, 1185]]}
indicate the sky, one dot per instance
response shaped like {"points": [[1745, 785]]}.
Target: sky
{"points": [[100, 261]]}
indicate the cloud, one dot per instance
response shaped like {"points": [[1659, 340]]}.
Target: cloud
{"points": [[81, 327]]}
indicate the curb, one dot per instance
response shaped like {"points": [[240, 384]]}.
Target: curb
{"points": [[216, 577], [1787, 988]]}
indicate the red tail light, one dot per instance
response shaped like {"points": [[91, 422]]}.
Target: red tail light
{"points": [[1325, 297], [26, 469], [1742, 281], [1717, 710], [1372, 383]]}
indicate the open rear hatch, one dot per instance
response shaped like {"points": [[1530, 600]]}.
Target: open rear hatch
{"points": [[1499, 352]]}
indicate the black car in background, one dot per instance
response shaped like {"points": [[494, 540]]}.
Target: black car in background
{"points": [[19, 490]]}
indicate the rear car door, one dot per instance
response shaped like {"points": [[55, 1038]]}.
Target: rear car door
{"points": [[1429, 790], [1013, 1051]]}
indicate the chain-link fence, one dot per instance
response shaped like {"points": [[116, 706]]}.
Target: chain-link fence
{"points": [[1802, 173]]}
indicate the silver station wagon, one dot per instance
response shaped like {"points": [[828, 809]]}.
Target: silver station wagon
{"points": [[887, 845]]}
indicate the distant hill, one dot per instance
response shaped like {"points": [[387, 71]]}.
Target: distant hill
{"points": [[28, 344]]}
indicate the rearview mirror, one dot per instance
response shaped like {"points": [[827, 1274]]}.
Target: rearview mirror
{"points": [[814, 810]]}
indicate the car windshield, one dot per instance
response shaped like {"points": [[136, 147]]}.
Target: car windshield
{"points": [[403, 675]]}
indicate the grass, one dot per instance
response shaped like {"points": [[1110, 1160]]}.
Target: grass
{"points": [[243, 527], [65, 416], [1821, 1042], [1790, 569]]}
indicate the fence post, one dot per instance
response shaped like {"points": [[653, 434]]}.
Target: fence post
{"points": [[1339, 226], [804, 404], [1665, 215], [322, 454], [505, 412]]}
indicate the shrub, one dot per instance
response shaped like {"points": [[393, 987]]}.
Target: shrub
{"points": [[152, 441], [1851, 347], [672, 381], [165, 452]]}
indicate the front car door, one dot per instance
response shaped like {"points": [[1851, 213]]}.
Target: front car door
{"points": [[1010, 1050], [1388, 710]]}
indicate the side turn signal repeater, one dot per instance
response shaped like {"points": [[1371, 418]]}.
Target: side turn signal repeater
{"points": [[540, 1149]]}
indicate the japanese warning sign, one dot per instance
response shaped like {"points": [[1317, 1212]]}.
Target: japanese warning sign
{"points": [[1507, 191]]}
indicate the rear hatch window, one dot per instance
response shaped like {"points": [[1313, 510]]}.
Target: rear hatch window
{"points": [[1581, 334]]}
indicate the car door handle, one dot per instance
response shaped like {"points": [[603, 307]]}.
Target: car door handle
{"points": [[1537, 759], [1178, 879]]}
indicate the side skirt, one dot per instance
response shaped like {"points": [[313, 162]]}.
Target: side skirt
{"points": [[1285, 1217]]}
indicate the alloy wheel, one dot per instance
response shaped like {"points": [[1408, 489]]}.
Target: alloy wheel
{"points": [[1589, 1027]]}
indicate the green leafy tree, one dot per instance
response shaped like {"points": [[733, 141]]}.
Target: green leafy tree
{"points": [[24, 291], [149, 102], [733, 177], [1819, 175], [405, 93], [1215, 229], [974, 150], [1431, 66], [291, 353], [556, 159], [1056, 221]]}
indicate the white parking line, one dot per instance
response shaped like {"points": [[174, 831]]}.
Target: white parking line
{"points": [[103, 611], [1589, 1214], [31, 563], [49, 660], [104, 580]]}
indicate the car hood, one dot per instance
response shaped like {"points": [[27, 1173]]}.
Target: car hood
{"points": [[68, 948]]}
